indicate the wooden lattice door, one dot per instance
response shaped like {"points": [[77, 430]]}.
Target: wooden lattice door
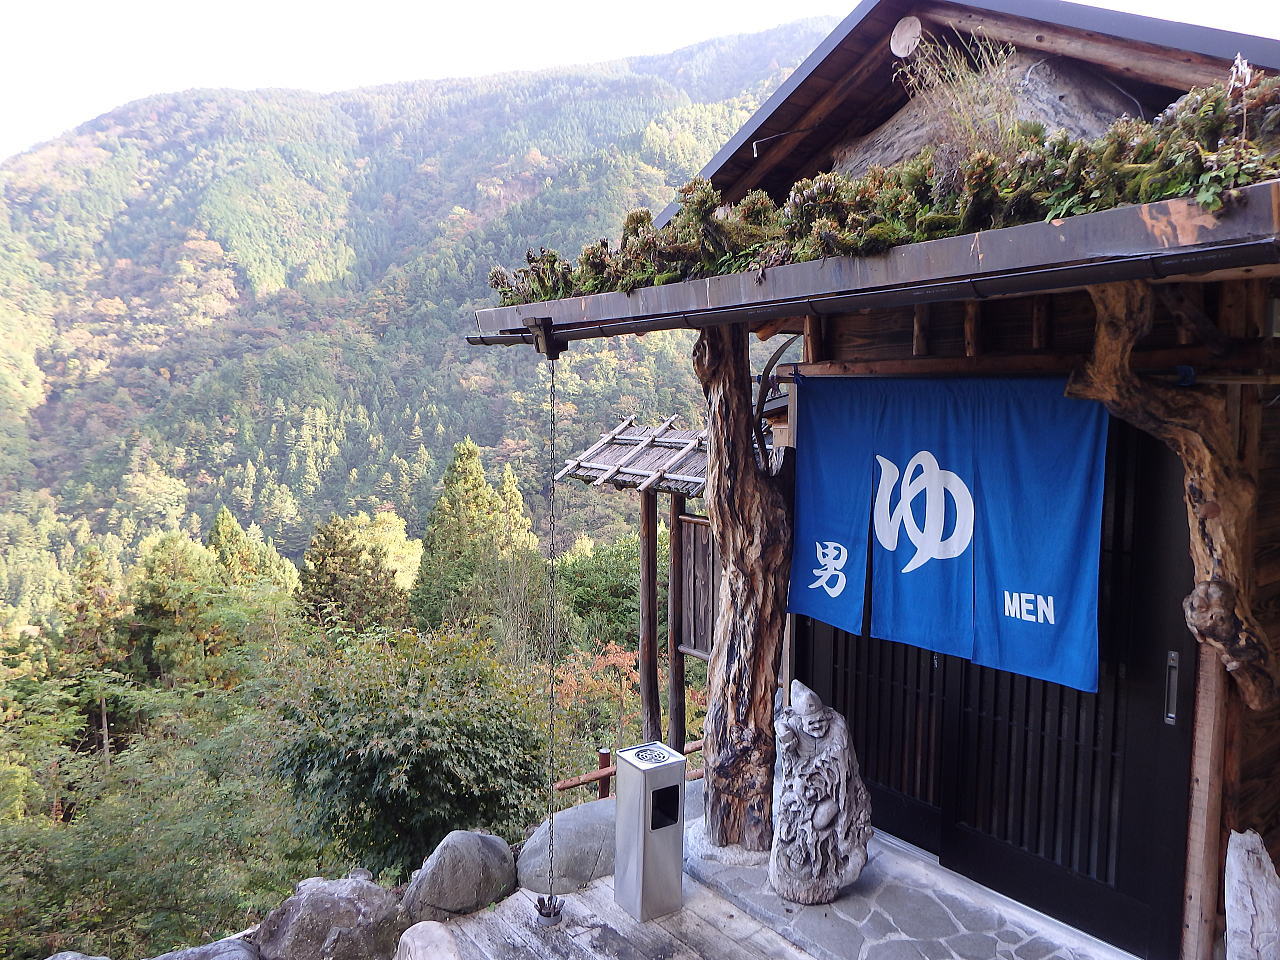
{"points": [[1071, 802]]}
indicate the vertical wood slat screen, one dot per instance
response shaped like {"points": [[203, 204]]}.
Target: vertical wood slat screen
{"points": [[701, 585], [1045, 761]]}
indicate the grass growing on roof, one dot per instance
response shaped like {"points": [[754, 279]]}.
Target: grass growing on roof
{"points": [[1209, 143]]}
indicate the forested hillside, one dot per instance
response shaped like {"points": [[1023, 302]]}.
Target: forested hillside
{"points": [[258, 299], [266, 612]]}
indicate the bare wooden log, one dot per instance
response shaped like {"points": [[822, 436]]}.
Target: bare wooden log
{"points": [[751, 521], [1221, 492], [1252, 900]]}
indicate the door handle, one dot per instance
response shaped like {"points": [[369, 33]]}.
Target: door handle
{"points": [[1171, 688]]}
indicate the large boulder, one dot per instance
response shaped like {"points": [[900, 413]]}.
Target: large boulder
{"points": [[72, 955], [428, 940], [466, 872], [221, 950], [351, 919], [584, 848]]}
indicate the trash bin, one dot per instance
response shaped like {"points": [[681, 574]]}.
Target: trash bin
{"points": [[649, 853]]}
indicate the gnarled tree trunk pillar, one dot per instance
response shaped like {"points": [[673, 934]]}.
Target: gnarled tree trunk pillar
{"points": [[751, 520], [1221, 491]]}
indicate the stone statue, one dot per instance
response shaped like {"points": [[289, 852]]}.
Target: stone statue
{"points": [[822, 819]]}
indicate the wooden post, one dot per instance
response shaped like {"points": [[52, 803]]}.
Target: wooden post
{"points": [[815, 339], [750, 517], [605, 759], [920, 331], [972, 328], [1041, 331], [675, 627], [650, 707], [1204, 838]]}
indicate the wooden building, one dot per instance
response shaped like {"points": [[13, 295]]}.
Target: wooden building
{"points": [[1108, 810]]}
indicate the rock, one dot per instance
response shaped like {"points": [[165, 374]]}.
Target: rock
{"points": [[466, 872], [72, 955], [822, 821], [220, 950], [584, 848], [349, 919], [428, 940], [1253, 899]]}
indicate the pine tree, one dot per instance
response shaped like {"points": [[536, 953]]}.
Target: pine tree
{"points": [[235, 553], [92, 611], [471, 531], [347, 581], [245, 557]]}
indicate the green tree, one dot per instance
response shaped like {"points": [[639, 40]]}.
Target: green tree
{"points": [[388, 743], [473, 533], [92, 611], [385, 532], [176, 843], [348, 581], [245, 558], [177, 631], [92, 631]]}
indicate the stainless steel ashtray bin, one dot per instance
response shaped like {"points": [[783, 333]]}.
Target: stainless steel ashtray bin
{"points": [[649, 836]]}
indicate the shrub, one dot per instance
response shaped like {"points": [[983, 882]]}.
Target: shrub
{"points": [[389, 741]]}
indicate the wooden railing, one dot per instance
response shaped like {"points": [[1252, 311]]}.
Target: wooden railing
{"points": [[605, 774]]}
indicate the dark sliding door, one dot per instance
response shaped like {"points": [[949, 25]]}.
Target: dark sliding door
{"points": [[1070, 802]]}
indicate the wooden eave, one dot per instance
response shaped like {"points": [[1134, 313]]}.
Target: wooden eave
{"points": [[1172, 239], [847, 87]]}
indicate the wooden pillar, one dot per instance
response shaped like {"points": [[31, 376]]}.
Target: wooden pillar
{"points": [[675, 628], [650, 707], [972, 328], [1204, 836], [920, 331], [1041, 330]]}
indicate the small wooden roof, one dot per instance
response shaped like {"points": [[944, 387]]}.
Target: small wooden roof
{"points": [[659, 458]]}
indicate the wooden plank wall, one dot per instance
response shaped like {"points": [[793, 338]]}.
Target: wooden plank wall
{"points": [[1057, 323], [701, 571]]}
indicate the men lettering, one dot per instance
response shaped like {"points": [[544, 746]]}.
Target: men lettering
{"points": [[1032, 607]]}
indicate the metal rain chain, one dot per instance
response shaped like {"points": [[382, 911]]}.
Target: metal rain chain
{"points": [[550, 906]]}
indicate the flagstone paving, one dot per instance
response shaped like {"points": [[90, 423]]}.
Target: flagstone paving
{"points": [[903, 907]]}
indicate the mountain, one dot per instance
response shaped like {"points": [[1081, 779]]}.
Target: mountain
{"points": [[258, 299]]}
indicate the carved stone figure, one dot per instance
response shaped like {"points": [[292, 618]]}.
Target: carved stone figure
{"points": [[823, 819]]}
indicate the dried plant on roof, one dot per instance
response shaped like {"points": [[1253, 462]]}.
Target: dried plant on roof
{"points": [[970, 94], [1209, 143]]}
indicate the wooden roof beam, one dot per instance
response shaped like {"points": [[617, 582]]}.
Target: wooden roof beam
{"points": [[780, 147], [1178, 69], [683, 452]]}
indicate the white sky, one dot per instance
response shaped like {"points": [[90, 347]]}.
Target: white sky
{"points": [[63, 62]]}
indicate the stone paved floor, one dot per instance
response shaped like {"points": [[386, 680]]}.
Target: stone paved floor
{"points": [[903, 907]]}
